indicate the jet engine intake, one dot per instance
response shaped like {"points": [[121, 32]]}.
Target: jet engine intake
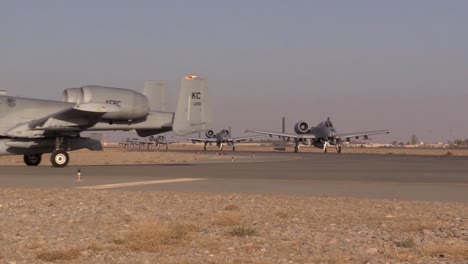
{"points": [[133, 105], [301, 128], [209, 133]]}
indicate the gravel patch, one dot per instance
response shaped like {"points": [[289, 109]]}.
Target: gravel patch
{"points": [[86, 226]]}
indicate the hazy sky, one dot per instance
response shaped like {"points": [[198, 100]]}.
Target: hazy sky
{"points": [[398, 65]]}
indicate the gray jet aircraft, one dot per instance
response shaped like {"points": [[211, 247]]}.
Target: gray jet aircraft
{"points": [[322, 136], [219, 138], [157, 141], [32, 127], [160, 141]]}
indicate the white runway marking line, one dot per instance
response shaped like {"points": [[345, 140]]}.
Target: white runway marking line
{"points": [[130, 184]]}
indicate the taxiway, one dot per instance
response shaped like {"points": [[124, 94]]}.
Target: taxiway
{"points": [[407, 177]]}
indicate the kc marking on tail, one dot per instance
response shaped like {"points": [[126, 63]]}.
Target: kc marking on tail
{"points": [[196, 95]]}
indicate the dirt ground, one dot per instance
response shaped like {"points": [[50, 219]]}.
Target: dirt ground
{"points": [[82, 226]]}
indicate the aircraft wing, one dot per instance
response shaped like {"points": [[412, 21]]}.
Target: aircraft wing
{"points": [[362, 134], [240, 139], [169, 142], [73, 119], [201, 140], [282, 135]]}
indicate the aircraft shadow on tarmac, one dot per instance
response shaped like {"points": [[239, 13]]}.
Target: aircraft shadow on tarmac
{"points": [[112, 165]]}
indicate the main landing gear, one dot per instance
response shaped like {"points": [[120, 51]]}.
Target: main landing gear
{"points": [[32, 159], [159, 146], [59, 158], [326, 144], [296, 146]]}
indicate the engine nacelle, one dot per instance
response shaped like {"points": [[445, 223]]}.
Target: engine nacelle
{"points": [[209, 133], [226, 132], [133, 105], [301, 128]]}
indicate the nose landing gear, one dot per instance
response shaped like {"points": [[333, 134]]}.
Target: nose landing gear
{"points": [[325, 146]]}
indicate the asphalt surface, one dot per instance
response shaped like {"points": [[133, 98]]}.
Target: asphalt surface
{"points": [[404, 177]]}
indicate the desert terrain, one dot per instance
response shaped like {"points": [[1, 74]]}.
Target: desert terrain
{"points": [[81, 226]]}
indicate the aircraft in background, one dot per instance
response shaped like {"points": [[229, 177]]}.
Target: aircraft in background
{"points": [[147, 142], [220, 138], [321, 136], [130, 142], [32, 127]]}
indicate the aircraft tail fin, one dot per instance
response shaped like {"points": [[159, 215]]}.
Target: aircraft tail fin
{"points": [[193, 112], [155, 91]]}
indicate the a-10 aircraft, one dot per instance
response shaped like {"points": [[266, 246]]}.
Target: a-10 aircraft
{"points": [[32, 127], [147, 142], [321, 136], [220, 138]]}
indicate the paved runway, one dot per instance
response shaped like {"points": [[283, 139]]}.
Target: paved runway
{"points": [[346, 175]]}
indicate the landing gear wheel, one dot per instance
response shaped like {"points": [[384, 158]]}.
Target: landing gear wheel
{"points": [[325, 150], [204, 148], [167, 147], [296, 149], [338, 149], [59, 158], [233, 148], [32, 159]]}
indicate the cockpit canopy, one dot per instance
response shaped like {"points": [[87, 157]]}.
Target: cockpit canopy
{"points": [[328, 123]]}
